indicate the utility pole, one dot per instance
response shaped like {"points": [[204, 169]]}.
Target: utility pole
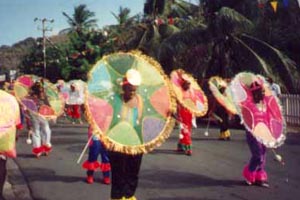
{"points": [[44, 29]]}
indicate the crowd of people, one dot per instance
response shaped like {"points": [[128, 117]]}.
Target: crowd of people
{"points": [[119, 169]]}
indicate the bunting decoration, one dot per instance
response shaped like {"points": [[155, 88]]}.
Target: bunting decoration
{"points": [[286, 3], [274, 5]]}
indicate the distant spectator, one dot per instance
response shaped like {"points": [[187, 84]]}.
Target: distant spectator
{"points": [[274, 87]]}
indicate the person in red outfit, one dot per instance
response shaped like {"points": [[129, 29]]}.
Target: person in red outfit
{"points": [[185, 119]]}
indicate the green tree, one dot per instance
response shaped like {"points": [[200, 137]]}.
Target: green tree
{"points": [[81, 20]]}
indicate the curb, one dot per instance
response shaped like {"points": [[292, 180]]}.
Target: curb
{"points": [[15, 187]]}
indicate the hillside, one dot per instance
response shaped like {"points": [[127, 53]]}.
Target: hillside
{"points": [[11, 56]]}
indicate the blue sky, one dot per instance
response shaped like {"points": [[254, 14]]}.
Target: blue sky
{"points": [[17, 16]]}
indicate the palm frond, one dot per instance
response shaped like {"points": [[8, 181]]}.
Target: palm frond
{"points": [[284, 66], [263, 64], [231, 18]]}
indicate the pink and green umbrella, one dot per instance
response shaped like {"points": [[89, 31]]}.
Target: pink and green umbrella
{"points": [[225, 99], [193, 99], [265, 121], [21, 90], [9, 118], [104, 105]]}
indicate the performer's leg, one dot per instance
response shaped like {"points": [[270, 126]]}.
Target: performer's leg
{"points": [[224, 125], [105, 165], [117, 163], [186, 141], [261, 175], [132, 169], [92, 164], [255, 161], [2, 176], [36, 138], [46, 136]]}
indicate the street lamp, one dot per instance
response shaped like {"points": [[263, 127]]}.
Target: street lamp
{"points": [[44, 29]]}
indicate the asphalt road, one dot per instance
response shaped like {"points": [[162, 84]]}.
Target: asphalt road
{"points": [[213, 172]]}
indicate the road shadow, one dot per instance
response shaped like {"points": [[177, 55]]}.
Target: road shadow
{"points": [[180, 198], [292, 138], [24, 155], [76, 148], [165, 151], [46, 175], [66, 141], [178, 179]]}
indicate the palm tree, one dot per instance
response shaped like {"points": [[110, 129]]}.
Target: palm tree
{"points": [[81, 20], [226, 48], [123, 17]]}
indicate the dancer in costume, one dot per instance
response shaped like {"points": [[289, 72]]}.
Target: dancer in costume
{"points": [[185, 118], [135, 100], [96, 148], [262, 117], [222, 116], [125, 168], [41, 132], [222, 105], [74, 102], [254, 172], [191, 102], [9, 122]]}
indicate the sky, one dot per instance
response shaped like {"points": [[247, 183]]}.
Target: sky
{"points": [[17, 16]]}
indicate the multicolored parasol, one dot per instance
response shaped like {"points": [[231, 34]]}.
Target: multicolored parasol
{"points": [[21, 90], [215, 83], [105, 108], [193, 99], [265, 121], [65, 89], [9, 118]]}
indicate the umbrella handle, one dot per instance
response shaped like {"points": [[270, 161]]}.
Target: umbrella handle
{"points": [[84, 150], [208, 123]]}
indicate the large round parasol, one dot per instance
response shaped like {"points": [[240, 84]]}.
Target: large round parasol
{"points": [[194, 98], [105, 107], [56, 103], [264, 121], [9, 118], [216, 83]]}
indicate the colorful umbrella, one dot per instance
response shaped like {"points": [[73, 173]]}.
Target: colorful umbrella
{"points": [[9, 118], [215, 83], [65, 88], [105, 107], [193, 99], [21, 90], [265, 121]]}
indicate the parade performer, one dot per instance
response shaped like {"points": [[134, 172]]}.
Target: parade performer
{"points": [[41, 135], [74, 102], [191, 102], [222, 107], [185, 118], [125, 168], [42, 103], [135, 100], [96, 148], [9, 122], [261, 114]]}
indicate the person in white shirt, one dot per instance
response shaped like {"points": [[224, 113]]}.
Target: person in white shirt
{"points": [[274, 87]]}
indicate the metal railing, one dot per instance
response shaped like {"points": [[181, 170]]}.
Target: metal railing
{"points": [[291, 108]]}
